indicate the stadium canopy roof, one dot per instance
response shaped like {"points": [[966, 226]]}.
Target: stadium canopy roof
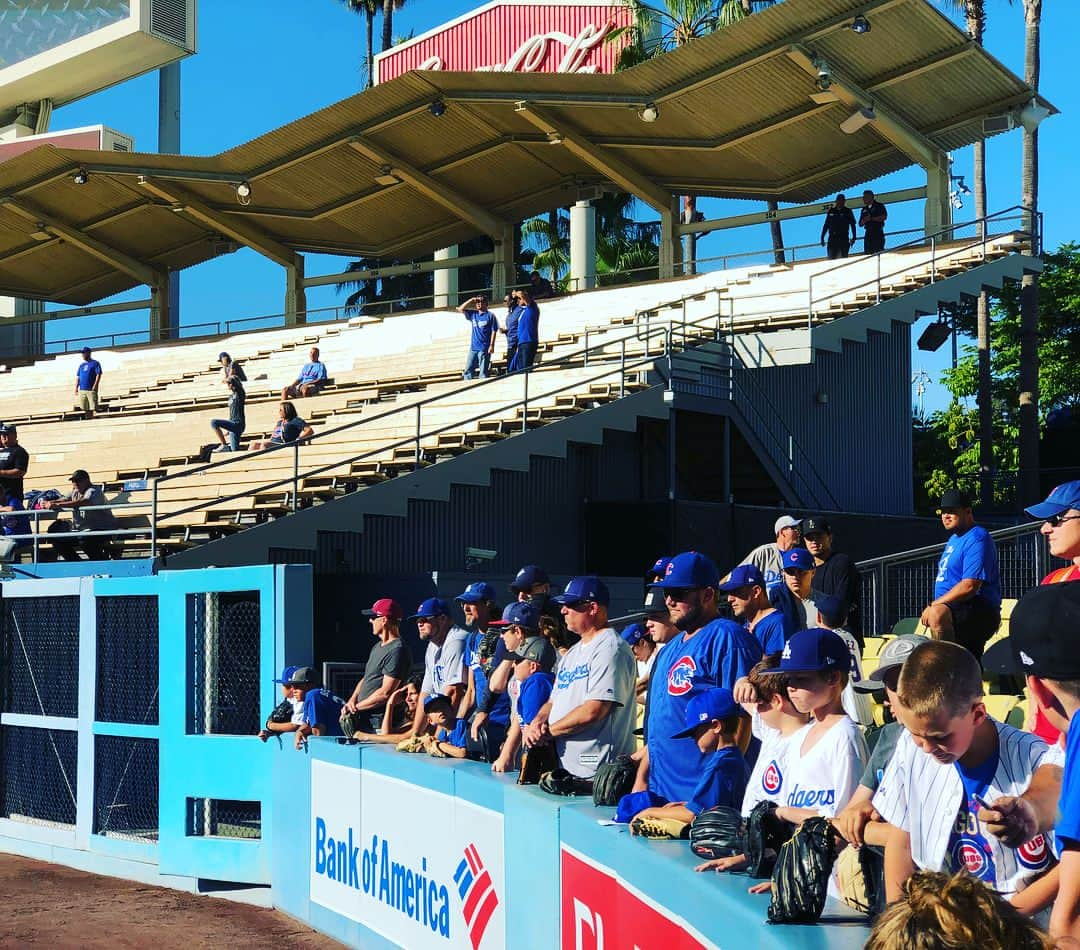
{"points": [[741, 113]]}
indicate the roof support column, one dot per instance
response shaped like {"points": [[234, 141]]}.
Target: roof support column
{"points": [[938, 210], [446, 279], [582, 246], [502, 271], [162, 313], [295, 294], [670, 243]]}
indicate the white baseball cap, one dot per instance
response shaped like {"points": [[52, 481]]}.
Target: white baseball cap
{"points": [[785, 521]]}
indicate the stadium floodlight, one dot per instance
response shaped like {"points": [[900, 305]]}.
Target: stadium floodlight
{"points": [[649, 112], [955, 200], [860, 25], [81, 177], [243, 192], [437, 108]]}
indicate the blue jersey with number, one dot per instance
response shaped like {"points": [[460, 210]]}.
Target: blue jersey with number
{"points": [[322, 708], [772, 632], [717, 655]]}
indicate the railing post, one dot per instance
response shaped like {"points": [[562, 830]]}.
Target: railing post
{"points": [[667, 349], [525, 401], [153, 521], [586, 346], [416, 454], [809, 303], [37, 525], [295, 471], [622, 368], [933, 260], [877, 298]]}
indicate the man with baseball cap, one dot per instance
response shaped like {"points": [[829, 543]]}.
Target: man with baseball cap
{"points": [[490, 710], [533, 584], [444, 659], [766, 557], [836, 573], [322, 709], [14, 460], [87, 379], [710, 651], [967, 589], [749, 601], [793, 598], [83, 494], [1060, 514], [387, 667], [590, 716]]}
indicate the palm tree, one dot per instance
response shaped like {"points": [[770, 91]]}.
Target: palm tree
{"points": [[388, 8], [548, 237], [368, 8]]}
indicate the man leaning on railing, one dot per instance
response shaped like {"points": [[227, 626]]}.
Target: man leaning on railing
{"points": [[83, 494]]}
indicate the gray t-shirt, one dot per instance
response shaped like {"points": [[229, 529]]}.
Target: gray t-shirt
{"points": [[386, 659], [767, 559], [881, 756], [445, 665], [91, 520], [602, 669]]}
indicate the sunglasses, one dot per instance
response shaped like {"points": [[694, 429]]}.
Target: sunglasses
{"points": [[679, 594], [1056, 521], [578, 605]]}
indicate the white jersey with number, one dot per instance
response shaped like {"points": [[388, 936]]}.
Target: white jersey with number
{"points": [[859, 706], [770, 771], [825, 777]]}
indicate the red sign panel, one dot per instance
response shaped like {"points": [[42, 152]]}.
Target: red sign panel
{"points": [[599, 912], [516, 37]]}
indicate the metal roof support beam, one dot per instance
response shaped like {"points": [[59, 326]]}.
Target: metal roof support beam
{"points": [[622, 173], [670, 239], [502, 270]]}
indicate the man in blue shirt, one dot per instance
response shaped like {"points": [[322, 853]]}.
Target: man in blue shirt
{"points": [[87, 378], [312, 378], [482, 341], [749, 602], [967, 589], [528, 332], [322, 709], [513, 314]]}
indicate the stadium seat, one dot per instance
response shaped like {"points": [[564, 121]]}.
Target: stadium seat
{"points": [[1007, 605], [1000, 705], [906, 626], [872, 647]]}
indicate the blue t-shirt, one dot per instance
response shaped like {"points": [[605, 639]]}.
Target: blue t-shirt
{"points": [[970, 556], [290, 431], [323, 708], [534, 692], [312, 373], [457, 736], [968, 850], [1067, 831], [528, 328], [772, 632], [722, 781], [512, 325], [10, 525], [717, 655], [484, 328], [87, 374], [500, 711]]}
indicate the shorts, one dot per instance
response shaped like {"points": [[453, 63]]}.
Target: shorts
{"points": [[974, 622], [87, 400]]}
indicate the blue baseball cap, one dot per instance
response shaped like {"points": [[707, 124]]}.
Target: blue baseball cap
{"points": [[659, 569], [437, 698], [529, 575], [586, 587], [476, 592], [798, 558], [634, 634], [1060, 500], [709, 704], [743, 575], [287, 674], [690, 569], [815, 650], [521, 614], [833, 610], [432, 607]]}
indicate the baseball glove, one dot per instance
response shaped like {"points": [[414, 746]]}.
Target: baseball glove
{"points": [[801, 876], [765, 833], [659, 828], [561, 782], [613, 780], [412, 744], [282, 712], [350, 724], [718, 833]]}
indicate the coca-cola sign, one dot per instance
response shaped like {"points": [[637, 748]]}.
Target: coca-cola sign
{"points": [[516, 36]]}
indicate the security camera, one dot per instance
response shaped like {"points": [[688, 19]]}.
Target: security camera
{"points": [[475, 557]]}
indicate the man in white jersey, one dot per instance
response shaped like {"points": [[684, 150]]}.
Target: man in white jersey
{"points": [[444, 661], [590, 716]]}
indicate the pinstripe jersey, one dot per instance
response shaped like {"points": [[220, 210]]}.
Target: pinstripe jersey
{"points": [[924, 797]]}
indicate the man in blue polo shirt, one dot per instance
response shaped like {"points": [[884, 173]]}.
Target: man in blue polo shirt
{"points": [[482, 341], [312, 378], [87, 378], [528, 332], [967, 589]]}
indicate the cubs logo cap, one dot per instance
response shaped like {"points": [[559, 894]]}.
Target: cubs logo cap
{"points": [[476, 593], [528, 576], [586, 587], [1060, 500], [892, 656], [815, 650], [385, 607], [743, 575], [1043, 632], [690, 570], [798, 558], [432, 607], [709, 704], [519, 614], [658, 569], [286, 674], [634, 634]]}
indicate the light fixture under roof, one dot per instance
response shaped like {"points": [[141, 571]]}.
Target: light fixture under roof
{"points": [[387, 177], [857, 120], [860, 25], [437, 108], [81, 177], [243, 192], [649, 112]]}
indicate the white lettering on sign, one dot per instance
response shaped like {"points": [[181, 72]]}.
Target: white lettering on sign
{"points": [[529, 56]]}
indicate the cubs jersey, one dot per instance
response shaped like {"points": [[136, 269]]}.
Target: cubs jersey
{"points": [[766, 781], [927, 799], [444, 666], [825, 777], [717, 655]]}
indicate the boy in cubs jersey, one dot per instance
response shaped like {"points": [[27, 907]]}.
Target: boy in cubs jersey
{"points": [[952, 758]]}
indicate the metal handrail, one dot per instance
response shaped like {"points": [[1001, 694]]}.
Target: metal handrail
{"points": [[915, 554], [37, 514]]}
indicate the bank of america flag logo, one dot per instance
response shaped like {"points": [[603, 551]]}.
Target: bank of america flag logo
{"points": [[478, 897]]}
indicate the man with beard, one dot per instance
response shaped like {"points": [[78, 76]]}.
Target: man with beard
{"points": [[484, 652], [444, 661], [710, 652]]}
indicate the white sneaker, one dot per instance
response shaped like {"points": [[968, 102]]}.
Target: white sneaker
{"points": [[223, 448]]}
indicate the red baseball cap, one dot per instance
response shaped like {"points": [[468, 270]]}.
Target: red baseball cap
{"points": [[385, 607]]}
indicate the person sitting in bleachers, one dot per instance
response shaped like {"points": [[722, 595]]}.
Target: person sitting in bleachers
{"points": [[83, 494], [11, 526], [312, 378], [234, 425], [289, 428]]}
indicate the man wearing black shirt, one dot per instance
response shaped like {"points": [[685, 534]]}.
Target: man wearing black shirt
{"points": [[14, 461], [872, 221], [836, 574], [838, 222]]}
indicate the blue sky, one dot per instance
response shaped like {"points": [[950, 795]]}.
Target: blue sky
{"points": [[262, 63]]}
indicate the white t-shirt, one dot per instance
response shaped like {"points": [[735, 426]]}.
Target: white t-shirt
{"points": [[768, 779], [644, 668], [825, 777], [297, 712], [602, 669], [444, 665]]}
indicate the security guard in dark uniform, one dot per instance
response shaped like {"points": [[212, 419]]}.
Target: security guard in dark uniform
{"points": [[872, 221], [839, 221]]}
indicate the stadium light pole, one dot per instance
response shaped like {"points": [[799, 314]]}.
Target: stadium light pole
{"points": [[169, 144]]}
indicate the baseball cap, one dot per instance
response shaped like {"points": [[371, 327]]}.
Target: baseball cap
{"points": [[659, 568], [303, 675], [1061, 499], [634, 634], [815, 526], [432, 607], [892, 655], [586, 587], [529, 575], [476, 592], [743, 575], [86, 350], [833, 610], [953, 499], [520, 613], [79, 475], [385, 607], [798, 558], [690, 569], [8, 427], [654, 602], [709, 704], [286, 674], [1043, 632], [785, 521], [539, 651], [437, 698], [814, 650]]}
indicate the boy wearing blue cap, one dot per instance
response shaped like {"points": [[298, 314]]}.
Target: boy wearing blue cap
{"points": [[792, 596], [520, 621], [712, 721], [451, 733], [288, 714], [641, 645]]}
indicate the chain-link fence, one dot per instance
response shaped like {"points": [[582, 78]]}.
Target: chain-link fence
{"points": [[220, 818], [127, 660], [126, 788], [225, 664], [38, 775], [41, 656]]}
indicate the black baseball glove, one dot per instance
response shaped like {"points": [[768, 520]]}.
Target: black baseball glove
{"points": [[765, 833], [613, 780], [561, 782], [282, 712], [718, 833], [801, 876]]}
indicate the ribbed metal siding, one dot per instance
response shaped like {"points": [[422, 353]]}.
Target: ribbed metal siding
{"points": [[169, 20]]}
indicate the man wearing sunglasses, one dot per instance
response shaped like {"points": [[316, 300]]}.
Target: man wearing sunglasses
{"points": [[967, 589]]}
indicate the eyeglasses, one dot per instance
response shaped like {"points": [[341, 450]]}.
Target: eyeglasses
{"points": [[1056, 521]]}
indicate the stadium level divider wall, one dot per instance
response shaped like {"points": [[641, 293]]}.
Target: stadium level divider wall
{"points": [[373, 847]]}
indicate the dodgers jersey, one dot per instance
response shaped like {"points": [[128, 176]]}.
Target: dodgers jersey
{"points": [[926, 798], [825, 777], [445, 665], [766, 781], [859, 706], [717, 655]]}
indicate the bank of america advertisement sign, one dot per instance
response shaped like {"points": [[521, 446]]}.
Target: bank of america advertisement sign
{"points": [[422, 869]]}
